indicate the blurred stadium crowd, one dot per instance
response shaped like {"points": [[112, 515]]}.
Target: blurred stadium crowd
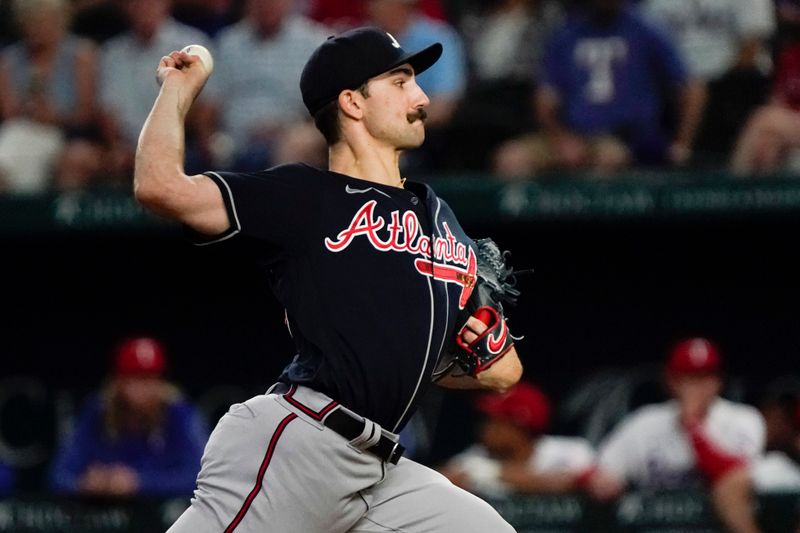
{"points": [[525, 87]]}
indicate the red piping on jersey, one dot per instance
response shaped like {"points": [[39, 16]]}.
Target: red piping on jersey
{"points": [[316, 415], [261, 471]]}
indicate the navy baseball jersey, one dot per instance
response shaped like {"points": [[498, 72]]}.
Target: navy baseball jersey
{"points": [[372, 278]]}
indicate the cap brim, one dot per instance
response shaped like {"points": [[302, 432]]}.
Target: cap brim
{"points": [[421, 60]]}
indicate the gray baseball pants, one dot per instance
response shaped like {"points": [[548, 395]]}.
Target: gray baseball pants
{"points": [[271, 465]]}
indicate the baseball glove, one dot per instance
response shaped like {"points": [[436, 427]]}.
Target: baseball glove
{"points": [[494, 286]]}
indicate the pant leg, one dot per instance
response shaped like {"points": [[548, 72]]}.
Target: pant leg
{"points": [[268, 468], [415, 499]]}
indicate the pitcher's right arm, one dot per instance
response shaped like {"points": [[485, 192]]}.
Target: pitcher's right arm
{"points": [[160, 182]]}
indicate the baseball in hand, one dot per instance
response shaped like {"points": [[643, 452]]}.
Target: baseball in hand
{"points": [[202, 52]]}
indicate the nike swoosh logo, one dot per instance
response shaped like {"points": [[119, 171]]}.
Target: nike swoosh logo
{"points": [[496, 343], [351, 190]]}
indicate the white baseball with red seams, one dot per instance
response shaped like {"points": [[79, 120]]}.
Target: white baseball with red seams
{"points": [[203, 53]]}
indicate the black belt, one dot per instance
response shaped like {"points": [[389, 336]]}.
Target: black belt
{"points": [[350, 428]]}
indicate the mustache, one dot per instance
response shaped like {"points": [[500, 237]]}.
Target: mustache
{"points": [[419, 114]]}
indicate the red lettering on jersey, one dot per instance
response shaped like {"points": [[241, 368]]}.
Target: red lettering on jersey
{"points": [[404, 235], [448, 249], [363, 224], [395, 228]]}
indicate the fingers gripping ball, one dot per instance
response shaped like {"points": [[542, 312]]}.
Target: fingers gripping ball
{"points": [[201, 52], [488, 347]]}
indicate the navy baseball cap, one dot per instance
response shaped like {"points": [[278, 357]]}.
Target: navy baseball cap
{"points": [[348, 60]]}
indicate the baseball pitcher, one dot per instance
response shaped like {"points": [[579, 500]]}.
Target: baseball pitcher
{"points": [[384, 294]]}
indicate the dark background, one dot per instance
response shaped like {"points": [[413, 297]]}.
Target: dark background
{"points": [[605, 294]]}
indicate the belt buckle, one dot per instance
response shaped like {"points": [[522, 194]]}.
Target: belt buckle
{"points": [[396, 453]]}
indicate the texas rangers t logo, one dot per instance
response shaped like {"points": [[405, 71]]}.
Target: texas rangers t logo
{"points": [[445, 259]]}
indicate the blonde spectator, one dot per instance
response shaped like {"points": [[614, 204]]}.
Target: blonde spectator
{"points": [[138, 436]]}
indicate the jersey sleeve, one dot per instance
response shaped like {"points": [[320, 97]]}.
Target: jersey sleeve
{"points": [[276, 205]]}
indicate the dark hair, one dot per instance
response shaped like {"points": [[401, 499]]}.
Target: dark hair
{"points": [[327, 118], [327, 122]]}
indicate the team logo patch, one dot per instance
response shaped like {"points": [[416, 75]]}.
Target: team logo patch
{"points": [[444, 259]]}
